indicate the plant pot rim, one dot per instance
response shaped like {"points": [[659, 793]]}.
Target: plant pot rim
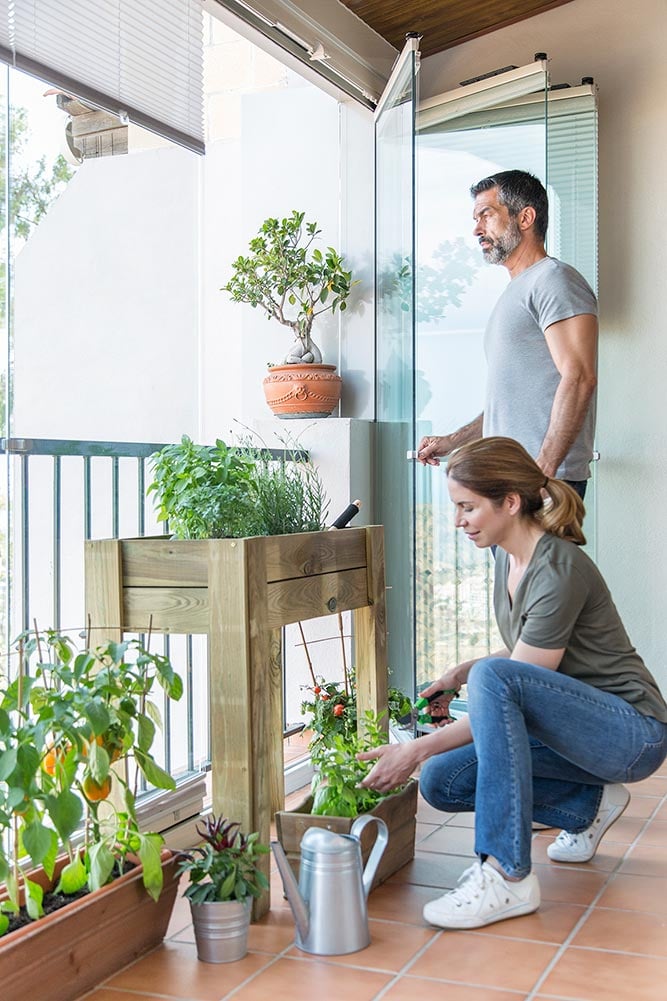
{"points": [[290, 366]]}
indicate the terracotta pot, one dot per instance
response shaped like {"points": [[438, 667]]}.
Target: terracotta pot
{"points": [[68, 952], [302, 390], [399, 813]]}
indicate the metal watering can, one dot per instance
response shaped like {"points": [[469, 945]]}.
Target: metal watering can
{"points": [[329, 904]]}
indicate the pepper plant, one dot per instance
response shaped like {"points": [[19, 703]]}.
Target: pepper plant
{"points": [[225, 866], [76, 732]]}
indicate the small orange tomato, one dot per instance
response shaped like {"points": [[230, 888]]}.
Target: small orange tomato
{"points": [[317, 689], [95, 791], [339, 710]]}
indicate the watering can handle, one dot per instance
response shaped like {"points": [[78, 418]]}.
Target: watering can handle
{"points": [[378, 848]]}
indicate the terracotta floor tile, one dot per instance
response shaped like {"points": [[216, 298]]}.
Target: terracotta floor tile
{"points": [[484, 960], [646, 860], [622, 931], [428, 814], [107, 994], [654, 785], [400, 902], [307, 979], [568, 884], [462, 820], [423, 831], [433, 869], [606, 976], [642, 806], [180, 916], [173, 971], [655, 833], [451, 841], [392, 946], [553, 922], [635, 893], [606, 858], [412, 988]]}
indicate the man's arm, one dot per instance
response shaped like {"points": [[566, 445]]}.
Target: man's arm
{"points": [[573, 347], [432, 448]]}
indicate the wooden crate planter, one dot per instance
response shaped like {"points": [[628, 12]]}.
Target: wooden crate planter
{"points": [[68, 952], [241, 592], [398, 812]]}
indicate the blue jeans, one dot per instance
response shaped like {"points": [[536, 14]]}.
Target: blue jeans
{"points": [[543, 746]]}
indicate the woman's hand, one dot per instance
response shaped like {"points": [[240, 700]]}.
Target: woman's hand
{"points": [[449, 681], [394, 764]]}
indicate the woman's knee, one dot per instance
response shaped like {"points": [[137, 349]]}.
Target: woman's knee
{"points": [[446, 785]]}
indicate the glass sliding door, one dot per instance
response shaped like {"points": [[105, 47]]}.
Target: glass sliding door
{"points": [[459, 141], [395, 354]]}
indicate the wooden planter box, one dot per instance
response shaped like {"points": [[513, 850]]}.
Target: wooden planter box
{"points": [[66, 953], [241, 592], [398, 812]]}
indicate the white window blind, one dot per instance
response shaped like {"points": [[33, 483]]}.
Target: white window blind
{"points": [[140, 59]]}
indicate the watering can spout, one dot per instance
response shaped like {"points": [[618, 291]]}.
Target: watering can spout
{"points": [[295, 900]]}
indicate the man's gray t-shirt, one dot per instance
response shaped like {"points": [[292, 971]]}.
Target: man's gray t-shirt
{"points": [[522, 378], [563, 601]]}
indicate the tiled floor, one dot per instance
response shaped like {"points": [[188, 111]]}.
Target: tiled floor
{"points": [[600, 934]]}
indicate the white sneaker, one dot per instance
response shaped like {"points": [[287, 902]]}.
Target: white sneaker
{"points": [[483, 896], [582, 847]]}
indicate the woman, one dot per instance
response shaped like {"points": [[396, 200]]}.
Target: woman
{"points": [[557, 719]]}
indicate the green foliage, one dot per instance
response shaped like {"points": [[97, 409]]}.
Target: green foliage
{"points": [[289, 279], [225, 866], [336, 742], [216, 491], [65, 719], [205, 491], [336, 784], [290, 495]]}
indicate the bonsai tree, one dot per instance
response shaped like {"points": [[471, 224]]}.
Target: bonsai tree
{"points": [[292, 281]]}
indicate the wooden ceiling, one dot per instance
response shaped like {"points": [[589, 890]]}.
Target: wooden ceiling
{"points": [[443, 23]]}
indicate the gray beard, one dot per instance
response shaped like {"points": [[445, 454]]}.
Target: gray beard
{"points": [[505, 245]]}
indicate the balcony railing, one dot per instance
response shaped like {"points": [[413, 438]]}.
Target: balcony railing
{"points": [[62, 493]]}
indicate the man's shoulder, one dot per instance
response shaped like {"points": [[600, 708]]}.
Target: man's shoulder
{"points": [[550, 269]]}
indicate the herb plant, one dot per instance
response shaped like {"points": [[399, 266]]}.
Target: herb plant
{"points": [[205, 491], [225, 866], [219, 491], [292, 281]]}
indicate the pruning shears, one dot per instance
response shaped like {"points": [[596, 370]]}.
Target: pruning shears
{"points": [[418, 715]]}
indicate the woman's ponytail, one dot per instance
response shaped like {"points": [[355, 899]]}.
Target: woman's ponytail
{"points": [[563, 513]]}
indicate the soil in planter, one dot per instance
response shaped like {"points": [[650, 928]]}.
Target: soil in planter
{"points": [[51, 902]]}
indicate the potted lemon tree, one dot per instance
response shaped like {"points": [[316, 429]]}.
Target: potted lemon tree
{"points": [[293, 281], [82, 883]]}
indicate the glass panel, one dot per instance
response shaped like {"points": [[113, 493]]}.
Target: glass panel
{"points": [[456, 292], [395, 362], [572, 172]]}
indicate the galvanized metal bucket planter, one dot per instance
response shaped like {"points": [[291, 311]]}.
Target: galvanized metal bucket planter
{"points": [[221, 929]]}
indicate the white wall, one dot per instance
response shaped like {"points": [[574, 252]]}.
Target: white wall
{"points": [[106, 304], [622, 46]]}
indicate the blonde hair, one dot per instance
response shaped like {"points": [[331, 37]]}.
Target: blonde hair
{"points": [[496, 467]]}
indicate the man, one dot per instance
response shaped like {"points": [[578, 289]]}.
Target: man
{"points": [[540, 341]]}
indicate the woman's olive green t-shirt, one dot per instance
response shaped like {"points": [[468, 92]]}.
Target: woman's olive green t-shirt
{"points": [[563, 601]]}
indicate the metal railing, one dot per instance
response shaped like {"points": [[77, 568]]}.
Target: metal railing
{"points": [[61, 494]]}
